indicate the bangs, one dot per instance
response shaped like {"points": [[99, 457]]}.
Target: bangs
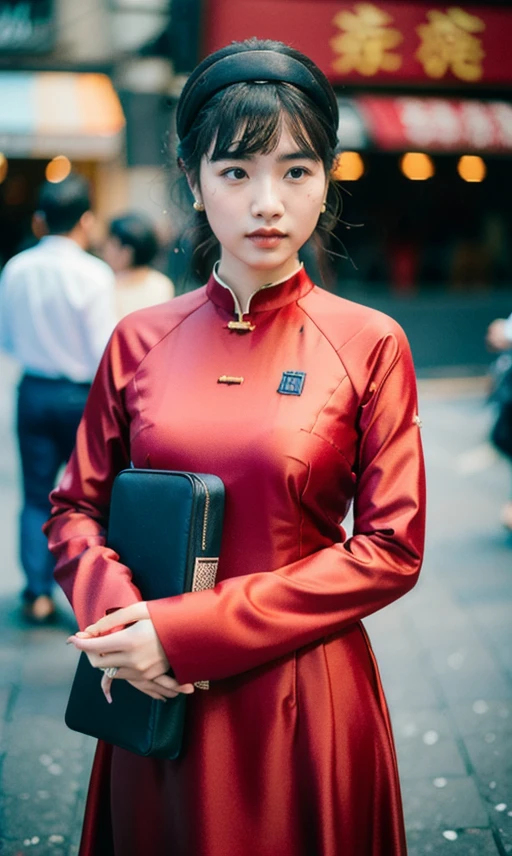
{"points": [[252, 119]]}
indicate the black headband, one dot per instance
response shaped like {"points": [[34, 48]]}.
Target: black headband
{"points": [[251, 66]]}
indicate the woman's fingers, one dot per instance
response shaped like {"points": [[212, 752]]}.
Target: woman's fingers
{"points": [[152, 689], [142, 686], [118, 619], [113, 660], [161, 684], [126, 672], [171, 684], [160, 688], [136, 647], [106, 651], [106, 684], [100, 644], [128, 668]]}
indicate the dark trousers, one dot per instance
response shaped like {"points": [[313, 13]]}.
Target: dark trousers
{"points": [[48, 415]]}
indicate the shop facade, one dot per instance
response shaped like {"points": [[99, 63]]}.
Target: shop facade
{"points": [[76, 92], [425, 139]]}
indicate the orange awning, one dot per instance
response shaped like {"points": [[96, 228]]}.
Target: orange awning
{"points": [[47, 113]]}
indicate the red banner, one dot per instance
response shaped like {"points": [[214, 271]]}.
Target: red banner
{"points": [[377, 42], [435, 124]]}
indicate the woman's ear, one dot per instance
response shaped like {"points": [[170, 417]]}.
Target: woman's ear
{"points": [[194, 188]]}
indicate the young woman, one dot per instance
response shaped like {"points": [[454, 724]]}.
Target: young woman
{"points": [[290, 751], [131, 245]]}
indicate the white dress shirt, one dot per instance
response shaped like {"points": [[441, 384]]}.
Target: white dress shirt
{"points": [[57, 309]]}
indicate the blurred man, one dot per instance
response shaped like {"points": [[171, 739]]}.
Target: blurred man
{"points": [[56, 315]]}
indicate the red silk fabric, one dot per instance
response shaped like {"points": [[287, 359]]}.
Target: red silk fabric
{"points": [[290, 751]]}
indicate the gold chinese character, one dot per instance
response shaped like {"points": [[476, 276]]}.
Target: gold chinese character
{"points": [[449, 43], [367, 41]]}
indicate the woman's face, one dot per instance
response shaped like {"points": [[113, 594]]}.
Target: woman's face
{"points": [[117, 255], [262, 209]]}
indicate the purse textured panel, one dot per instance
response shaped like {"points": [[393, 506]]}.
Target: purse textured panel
{"points": [[205, 574]]}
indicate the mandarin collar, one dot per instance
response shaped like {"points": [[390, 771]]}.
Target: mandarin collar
{"points": [[264, 299]]}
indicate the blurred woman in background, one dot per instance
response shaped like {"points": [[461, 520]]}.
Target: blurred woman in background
{"points": [[131, 246]]}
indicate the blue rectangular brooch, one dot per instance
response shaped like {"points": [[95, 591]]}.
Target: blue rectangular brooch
{"points": [[292, 383]]}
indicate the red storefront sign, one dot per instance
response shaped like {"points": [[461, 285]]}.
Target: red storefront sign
{"points": [[435, 124], [377, 42]]}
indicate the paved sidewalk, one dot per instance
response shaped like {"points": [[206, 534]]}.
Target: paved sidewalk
{"points": [[444, 652]]}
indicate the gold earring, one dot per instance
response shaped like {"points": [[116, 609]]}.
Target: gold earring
{"points": [[323, 209], [198, 206]]}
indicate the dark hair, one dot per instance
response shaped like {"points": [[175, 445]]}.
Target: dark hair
{"points": [[136, 231], [63, 204], [246, 118]]}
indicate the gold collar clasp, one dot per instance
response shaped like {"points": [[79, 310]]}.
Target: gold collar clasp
{"points": [[241, 326], [230, 379]]}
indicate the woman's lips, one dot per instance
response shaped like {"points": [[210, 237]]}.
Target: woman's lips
{"points": [[266, 241]]}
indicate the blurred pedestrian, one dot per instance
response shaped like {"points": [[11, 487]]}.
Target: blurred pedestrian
{"points": [[131, 246], [301, 402], [56, 315], [499, 334], [499, 338]]}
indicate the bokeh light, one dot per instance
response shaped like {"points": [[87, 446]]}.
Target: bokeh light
{"points": [[417, 166], [349, 167], [58, 169], [472, 168], [4, 166]]}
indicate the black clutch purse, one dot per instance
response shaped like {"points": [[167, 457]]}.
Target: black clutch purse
{"points": [[166, 527]]}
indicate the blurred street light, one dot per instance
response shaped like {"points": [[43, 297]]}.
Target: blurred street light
{"points": [[417, 166], [471, 168], [58, 169], [4, 166]]}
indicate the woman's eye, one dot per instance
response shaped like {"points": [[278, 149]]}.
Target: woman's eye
{"points": [[235, 172], [297, 172]]}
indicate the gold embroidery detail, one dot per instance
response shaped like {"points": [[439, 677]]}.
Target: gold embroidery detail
{"points": [[229, 379], [241, 326], [205, 574]]}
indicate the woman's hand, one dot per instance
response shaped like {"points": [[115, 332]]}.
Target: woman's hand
{"points": [[134, 649]]}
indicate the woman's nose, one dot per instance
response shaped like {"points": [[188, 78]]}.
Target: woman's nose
{"points": [[267, 202]]}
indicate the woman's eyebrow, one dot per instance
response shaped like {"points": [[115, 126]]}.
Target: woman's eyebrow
{"points": [[227, 156], [300, 154]]}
